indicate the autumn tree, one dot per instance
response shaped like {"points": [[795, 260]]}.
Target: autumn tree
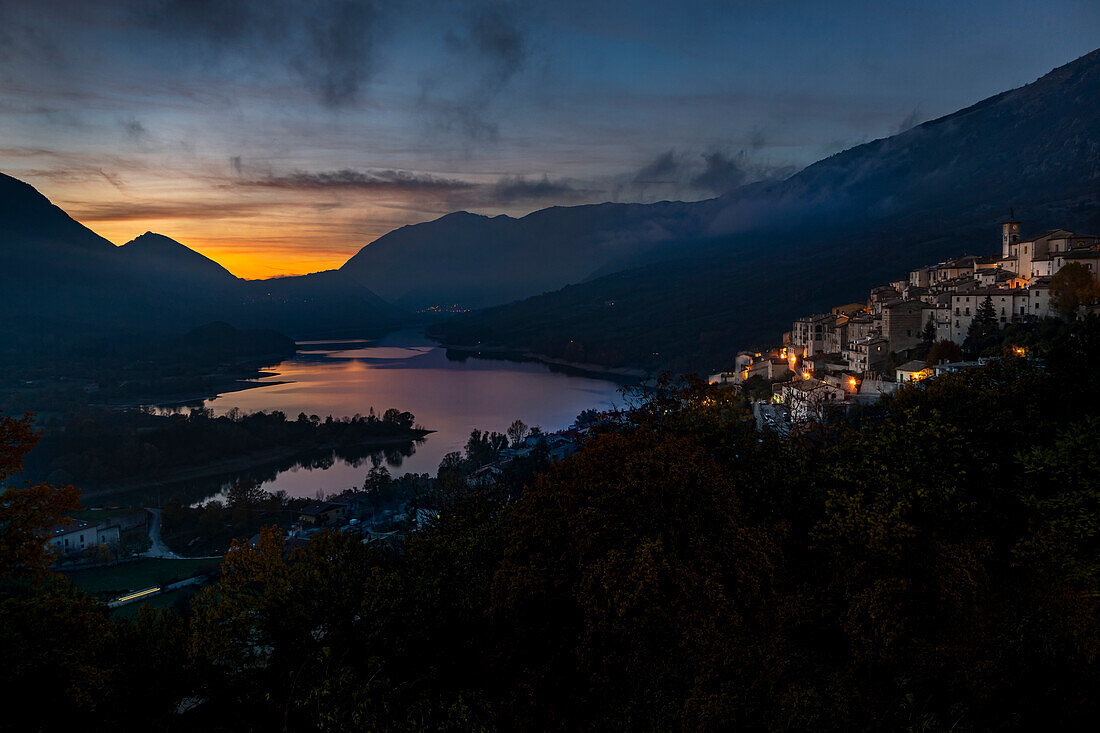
{"points": [[943, 351], [1072, 287], [27, 512]]}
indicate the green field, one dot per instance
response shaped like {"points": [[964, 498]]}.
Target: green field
{"points": [[138, 575], [99, 515]]}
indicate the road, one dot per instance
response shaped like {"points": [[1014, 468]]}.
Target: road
{"points": [[158, 548]]}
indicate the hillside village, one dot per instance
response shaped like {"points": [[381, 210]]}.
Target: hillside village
{"points": [[859, 351]]}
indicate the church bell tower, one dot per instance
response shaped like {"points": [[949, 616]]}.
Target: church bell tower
{"points": [[1010, 234]]}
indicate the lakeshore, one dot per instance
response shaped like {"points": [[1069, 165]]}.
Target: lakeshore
{"points": [[248, 462]]}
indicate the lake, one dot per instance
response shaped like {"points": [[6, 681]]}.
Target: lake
{"points": [[447, 393]]}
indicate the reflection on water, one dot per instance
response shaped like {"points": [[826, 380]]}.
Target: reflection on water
{"points": [[448, 394], [356, 460]]}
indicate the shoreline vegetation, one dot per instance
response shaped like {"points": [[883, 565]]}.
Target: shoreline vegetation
{"points": [[522, 354], [245, 380], [251, 461], [109, 452], [135, 369]]}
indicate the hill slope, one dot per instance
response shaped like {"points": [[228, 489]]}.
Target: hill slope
{"points": [[773, 252], [479, 260], [158, 256], [61, 282]]}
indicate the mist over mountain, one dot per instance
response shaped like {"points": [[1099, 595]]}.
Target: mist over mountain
{"points": [[478, 260], [689, 281], [769, 253]]}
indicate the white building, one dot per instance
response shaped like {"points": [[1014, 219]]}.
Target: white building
{"points": [[73, 538]]}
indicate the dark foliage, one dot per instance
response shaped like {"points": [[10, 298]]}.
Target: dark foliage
{"points": [[934, 566], [96, 447]]}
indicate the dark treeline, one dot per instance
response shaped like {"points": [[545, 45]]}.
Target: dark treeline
{"points": [[63, 371], [96, 447], [933, 566]]}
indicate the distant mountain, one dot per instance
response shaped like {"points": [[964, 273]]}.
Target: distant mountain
{"points": [[322, 305], [479, 260], [158, 256], [218, 341], [769, 253], [60, 283]]}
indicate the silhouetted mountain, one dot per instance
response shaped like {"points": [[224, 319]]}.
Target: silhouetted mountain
{"points": [[323, 305], [158, 256], [772, 252], [219, 341], [480, 260], [60, 282]]}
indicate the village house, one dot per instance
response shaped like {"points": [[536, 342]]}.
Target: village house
{"points": [[848, 309], [867, 355], [902, 322], [1008, 306], [912, 371], [317, 514], [809, 400], [846, 350], [808, 334], [73, 538]]}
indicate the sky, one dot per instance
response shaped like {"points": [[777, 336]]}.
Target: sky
{"points": [[280, 136]]}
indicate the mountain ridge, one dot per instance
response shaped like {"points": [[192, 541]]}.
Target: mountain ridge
{"points": [[59, 280], [780, 250]]}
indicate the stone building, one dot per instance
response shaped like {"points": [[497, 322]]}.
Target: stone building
{"points": [[867, 354], [902, 322]]}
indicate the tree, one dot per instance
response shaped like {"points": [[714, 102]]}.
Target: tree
{"points": [[398, 418], [943, 351], [587, 417], [378, 478], [245, 493], [27, 512], [1072, 287], [984, 330], [757, 388], [517, 431], [928, 335]]}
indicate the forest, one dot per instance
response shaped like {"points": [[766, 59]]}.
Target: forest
{"points": [[933, 565]]}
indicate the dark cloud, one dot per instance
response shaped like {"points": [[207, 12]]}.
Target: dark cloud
{"points": [[380, 180], [497, 38], [513, 189], [721, 173], [113, 179], [665, 168], [329, 44], [133, 128], [488, 51], [138, 211]]}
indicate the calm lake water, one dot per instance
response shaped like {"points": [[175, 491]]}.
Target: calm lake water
{"points": [[448, 394]]}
